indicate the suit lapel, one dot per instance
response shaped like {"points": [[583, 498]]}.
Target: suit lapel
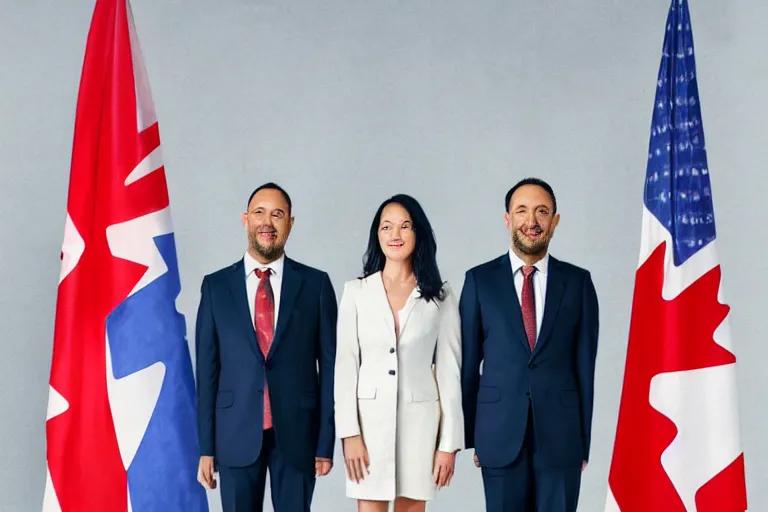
{"points": [[379, 296], [292, 281], [554, 296], [410, 303], [505, 284], [242, 311]]}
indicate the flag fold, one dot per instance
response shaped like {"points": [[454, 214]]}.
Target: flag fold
{"points": [[677, 446], [120, 429]]}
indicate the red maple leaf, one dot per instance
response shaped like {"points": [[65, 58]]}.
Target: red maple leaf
{"points": [[665, 336]]}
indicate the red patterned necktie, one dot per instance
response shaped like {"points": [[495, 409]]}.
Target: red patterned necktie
{"points": [[529, 305], [264, 323]]}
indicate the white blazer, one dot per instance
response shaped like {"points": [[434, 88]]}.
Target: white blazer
{"points": [[386, 390]]}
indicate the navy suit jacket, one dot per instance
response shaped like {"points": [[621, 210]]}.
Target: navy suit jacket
{"points": [[557, 378], [299, 369]]}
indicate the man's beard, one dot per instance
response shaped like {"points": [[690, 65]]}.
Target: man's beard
{"points": [[538, 247], [269, 253]]}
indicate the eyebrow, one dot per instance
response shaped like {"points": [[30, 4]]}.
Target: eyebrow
{"points": [[534, 207], [261, 207]]}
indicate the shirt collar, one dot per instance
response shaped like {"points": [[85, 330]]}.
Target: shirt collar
{"points": [[541, 266], [251, 264]]}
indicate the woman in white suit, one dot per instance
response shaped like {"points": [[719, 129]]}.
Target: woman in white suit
{"points": [[398, 366]]}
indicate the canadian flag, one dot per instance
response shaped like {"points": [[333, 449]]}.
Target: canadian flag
{"points": [[677, 446], [121, 432]]}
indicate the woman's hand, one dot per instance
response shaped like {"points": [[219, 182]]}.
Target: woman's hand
{"points": [[355, 458], [443, 468]]}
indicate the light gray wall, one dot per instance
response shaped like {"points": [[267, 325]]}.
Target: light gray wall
{"points": [[345, 103]]}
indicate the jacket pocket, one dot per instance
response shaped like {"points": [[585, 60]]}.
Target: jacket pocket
{"points": [[488, 394], [366, 393], [424, 395], [225, 399]]}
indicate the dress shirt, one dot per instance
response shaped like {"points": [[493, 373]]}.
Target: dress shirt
{"points": [[252, 281], [539, 283]]}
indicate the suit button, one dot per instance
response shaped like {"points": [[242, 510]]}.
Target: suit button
{"points": [[531, 366], [392, 351], [391, 372]]}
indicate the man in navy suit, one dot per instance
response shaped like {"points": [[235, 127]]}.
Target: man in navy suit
{"points": [[266, 346], [532, 321]]}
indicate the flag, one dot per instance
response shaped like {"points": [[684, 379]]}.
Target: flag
{"points": [[677, 446], [120, 428]]}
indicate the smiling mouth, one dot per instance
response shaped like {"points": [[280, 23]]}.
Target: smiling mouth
{"points": [[533, 234], [396, 245]]}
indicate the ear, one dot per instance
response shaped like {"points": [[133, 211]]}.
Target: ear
{"points": [[507, 220], [555, 222], [244, 219]]}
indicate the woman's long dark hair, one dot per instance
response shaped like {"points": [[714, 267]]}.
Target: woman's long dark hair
{"points": [[424, 256]]}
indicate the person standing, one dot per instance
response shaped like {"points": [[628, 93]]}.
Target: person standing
{"points": [[398, 367], [265, 348], [532, 321]]}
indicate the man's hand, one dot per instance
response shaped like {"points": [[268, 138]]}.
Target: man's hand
{"points": [[322, 466], [583, 465], [205, 472], [477, 461]]}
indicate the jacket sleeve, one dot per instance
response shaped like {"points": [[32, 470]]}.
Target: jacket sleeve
{"points": [[472, 354], [448, 373], [586, 354], [347, 365], [326, 362], [207, 370]]}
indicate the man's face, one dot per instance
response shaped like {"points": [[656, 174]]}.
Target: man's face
{"points": [[268, 223], [531, 220]]}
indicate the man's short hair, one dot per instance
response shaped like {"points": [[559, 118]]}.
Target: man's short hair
{"points": [[273, 186], [531, 181]]}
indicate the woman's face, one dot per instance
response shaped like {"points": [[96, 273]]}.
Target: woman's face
{"points": [[396, 236]]}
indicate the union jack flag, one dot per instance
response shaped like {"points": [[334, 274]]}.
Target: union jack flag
{"points": [[121, 414], [677, 446]]}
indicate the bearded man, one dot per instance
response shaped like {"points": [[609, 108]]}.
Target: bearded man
{"points": [[532, 321], [266, 346]]}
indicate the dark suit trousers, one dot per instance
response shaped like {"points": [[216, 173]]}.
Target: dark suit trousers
{"points": [[528, 485], [242, 489]]}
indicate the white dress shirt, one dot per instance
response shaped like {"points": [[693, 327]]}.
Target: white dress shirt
{"points": [[539, 283], [252, 281]]}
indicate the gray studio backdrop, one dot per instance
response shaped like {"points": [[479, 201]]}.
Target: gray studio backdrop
{"points": [[345, 103]]}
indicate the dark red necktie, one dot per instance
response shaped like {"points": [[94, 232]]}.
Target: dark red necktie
{"points": [[528, 305], [264, 323]]}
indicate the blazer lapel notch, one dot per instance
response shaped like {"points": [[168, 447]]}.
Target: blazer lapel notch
{"points": [[378, 293], [290, 287], [552, 301], [508, 293], [242, 312]]}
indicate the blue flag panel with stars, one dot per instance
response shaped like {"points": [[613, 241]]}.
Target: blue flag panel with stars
{"points": [[677, 187]]}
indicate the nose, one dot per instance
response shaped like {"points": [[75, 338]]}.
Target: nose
{"points": [[530, 219]]}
